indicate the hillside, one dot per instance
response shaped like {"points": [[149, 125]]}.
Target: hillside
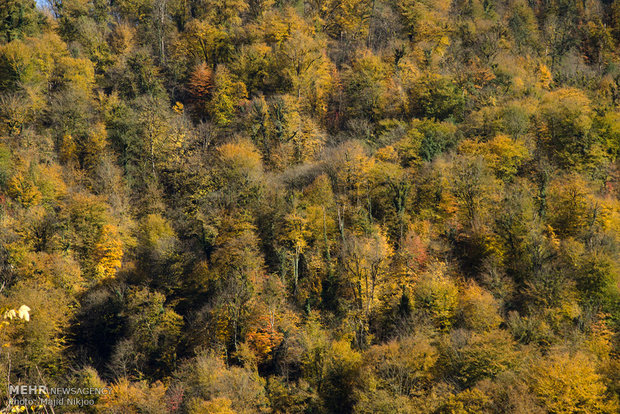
{"points": [[321, 206]]}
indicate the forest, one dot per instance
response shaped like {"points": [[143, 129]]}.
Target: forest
{"points": [[311, 207]]}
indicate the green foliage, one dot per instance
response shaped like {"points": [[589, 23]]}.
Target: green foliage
{"points": [[436, 137], [436, 97], [437, 295], [470, 357], [567, 129], [18, 19], [153, 330]]}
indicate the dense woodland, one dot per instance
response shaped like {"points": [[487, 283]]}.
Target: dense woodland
{"points": [[321, 206]]}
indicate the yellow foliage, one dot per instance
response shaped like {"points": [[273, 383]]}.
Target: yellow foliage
{"points": [[502, 154], [95, 145], [133, 398], [178, 108], [228, 95], [437, 294], [296, 231], [544, 76], [108, 252], [68, 149], [52, 270], [241, 156], [366, 260], [122, 38], [154, 230], [218, 405], [406, 365], [23, 190], [427, 22], [352, 167], [569, 384], [478, 308], [39, 62], [50, 182], [79, 73]]}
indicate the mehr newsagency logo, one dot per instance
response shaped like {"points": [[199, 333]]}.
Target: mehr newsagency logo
{"points": [[41, 396]]}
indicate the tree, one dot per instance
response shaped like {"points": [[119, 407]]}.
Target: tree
{"points": [[19, 18], [567, 129], [205, 42], [296, 233], [283, 133], [304, 66], [84, 216], [436, 296], [153, 330], [272, 318], [477, 309], [404, 366], [343, 376], [209, 383], [569, 206], [433, 138], [466, 402], [569, 384], [366, 259], [337, 18], [42, 336], [154, 121], [200, 87], [221, 13], [227, 96], [365, 86], [108, 252], [471, 186], [437, 97], [524, 27], [237, 270], [503, 155], [426, 23], [240, 171], [470, 357], [397, 184], [134, 397]]}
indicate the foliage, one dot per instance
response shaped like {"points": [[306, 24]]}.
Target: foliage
{"points": [[328, 206]]}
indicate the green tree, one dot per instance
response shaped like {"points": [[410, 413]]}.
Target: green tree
{"points": [[19, 18]]}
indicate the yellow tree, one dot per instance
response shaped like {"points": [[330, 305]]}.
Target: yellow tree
{"points": [[302, 58], [427, 22], [222, 12], [502, 154], [9, 314], [108, 252], [436, 295], [227, 95], [565, 129], [320, 197], [339, 18], [366, 259], [154, 121], [295, 235], [351, 167], [204, 42], [567, 384]]}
